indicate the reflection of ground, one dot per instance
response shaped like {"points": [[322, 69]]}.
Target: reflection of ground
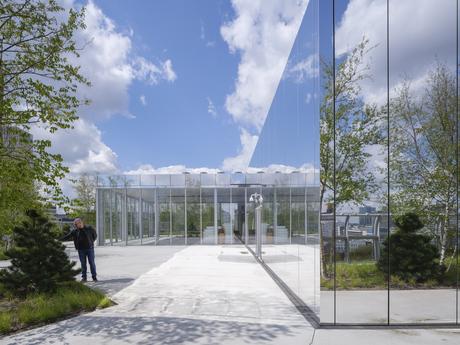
{"points": [[370, 306], [298, 267]]}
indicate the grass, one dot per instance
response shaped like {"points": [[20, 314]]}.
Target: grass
{"points": [[365, 275], [69, 299], [2, 253]]}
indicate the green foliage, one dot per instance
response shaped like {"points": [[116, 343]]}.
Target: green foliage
{"points": [[351, 128], [362, 253], [409, 222], [412, 255], [423, 154], [68, 299], [38, 259], [38, 87], [84, 206]]}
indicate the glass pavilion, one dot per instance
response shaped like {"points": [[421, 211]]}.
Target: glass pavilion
{"points": [[187, 209]]}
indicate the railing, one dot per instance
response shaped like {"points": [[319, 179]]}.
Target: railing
{"points": [[346, 232]]}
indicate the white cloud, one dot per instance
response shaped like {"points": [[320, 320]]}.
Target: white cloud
{"points": [[303, 70], [419, 34], [109, 62], [82, 148], [211, 108], [241, 161], [143, 100], [263, 32], [147, 169], [146, 70]]}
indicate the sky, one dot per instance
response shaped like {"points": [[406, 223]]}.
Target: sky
{"points": [[176, 85], [187, 85]]}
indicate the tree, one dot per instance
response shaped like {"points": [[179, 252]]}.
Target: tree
{"points": [[423, 158], [413, 257], [351, 129], [38, 85], [38, 259], [85, 204]]}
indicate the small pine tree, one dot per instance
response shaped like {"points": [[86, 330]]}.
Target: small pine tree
{"points": [[412, 255], [38, 258]]}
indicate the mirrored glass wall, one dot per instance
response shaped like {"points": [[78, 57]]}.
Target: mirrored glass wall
{"points": [[389, 162]]}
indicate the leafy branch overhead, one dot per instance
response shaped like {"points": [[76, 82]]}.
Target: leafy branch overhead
{"points": [[38, 85]]}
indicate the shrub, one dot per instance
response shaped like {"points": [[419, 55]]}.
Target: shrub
{"points": [[38, 259], [412, 255]]}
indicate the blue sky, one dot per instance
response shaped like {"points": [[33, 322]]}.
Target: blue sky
{"points": [[177, 85], [175, 126], [187, 85]]}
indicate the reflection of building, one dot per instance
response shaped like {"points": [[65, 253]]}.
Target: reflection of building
{"points": [[365, 220], [206, 209]]}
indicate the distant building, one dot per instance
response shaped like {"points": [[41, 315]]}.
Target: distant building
{"points": [[363, 219]]}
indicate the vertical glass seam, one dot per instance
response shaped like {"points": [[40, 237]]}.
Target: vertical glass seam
{"points": [[333, 161], [388, 162]]}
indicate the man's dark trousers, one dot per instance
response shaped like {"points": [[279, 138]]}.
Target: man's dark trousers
{"points": [[83, 254]]}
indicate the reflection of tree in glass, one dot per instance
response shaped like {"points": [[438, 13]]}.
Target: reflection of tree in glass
{"points": [[423, 161], [412, 256], [355, 126]]}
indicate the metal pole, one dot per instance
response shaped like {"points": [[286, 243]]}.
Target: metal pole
{"points": [[185, 214], [246, 234], [157, 216], [258, 214], [140, 211], [215, 215]]}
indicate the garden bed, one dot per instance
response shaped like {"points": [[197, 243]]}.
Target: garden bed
{"points": [[68, 300]]}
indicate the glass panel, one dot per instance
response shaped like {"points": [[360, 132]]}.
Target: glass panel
{"points": [[360, 148], [251, 226], [178, 216], [238, 178], [163, 180], [117, 216], [423, 162], [131, 180], [178, 180], [224, 219], [268, 214], [238, 213], [193, 216], [207, 208], [164, 225], [133, 195], [223, 179], [208, 179], [327, 263], [147, 180], [148, 220], [192, 180]]}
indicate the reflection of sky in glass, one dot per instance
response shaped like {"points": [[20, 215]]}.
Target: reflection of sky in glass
{"points": [[291, 132]]}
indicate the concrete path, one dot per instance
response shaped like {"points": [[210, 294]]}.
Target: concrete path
{"points": [[119, 267], [202, 295]]}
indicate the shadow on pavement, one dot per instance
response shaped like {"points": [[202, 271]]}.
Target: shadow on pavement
{"points": [[152, 330]]}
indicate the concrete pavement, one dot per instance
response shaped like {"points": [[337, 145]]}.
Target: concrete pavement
{"points": [[202, 295]]}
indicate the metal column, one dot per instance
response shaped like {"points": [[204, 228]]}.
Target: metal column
{"points": [[185, 214], [157, 216], [124, 216], [140, 211], [215, 215]]}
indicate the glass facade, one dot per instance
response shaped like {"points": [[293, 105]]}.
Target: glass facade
{"points": [[360, 155]]}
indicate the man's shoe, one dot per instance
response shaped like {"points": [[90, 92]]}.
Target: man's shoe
{"points": [[95, 279], [83, 280]]}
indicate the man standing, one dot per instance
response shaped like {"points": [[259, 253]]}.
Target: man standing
{"points": [[83, 238]]}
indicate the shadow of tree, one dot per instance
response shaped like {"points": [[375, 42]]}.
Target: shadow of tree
{"points": [[152, 330]]}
